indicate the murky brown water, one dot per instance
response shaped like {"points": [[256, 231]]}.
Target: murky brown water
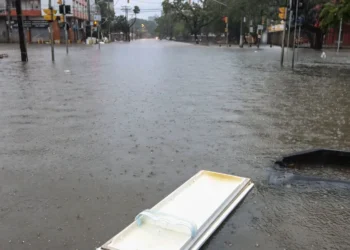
{"points": [[82, 152]]}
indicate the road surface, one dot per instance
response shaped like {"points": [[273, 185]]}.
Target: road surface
{"points": [[91, 140]]}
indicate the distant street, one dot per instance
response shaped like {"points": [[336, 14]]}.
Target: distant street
{"points": [[89, 141]]}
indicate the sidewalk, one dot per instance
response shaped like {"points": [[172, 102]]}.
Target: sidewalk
{"points": [[306, 56]]}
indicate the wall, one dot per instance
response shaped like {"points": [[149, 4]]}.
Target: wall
{"points": [[331, 37]]}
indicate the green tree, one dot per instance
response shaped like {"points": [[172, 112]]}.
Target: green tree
{"points": [[107, 16], [311, 15], [136, 11], [121, 24], [195, 15], [333, 12]]}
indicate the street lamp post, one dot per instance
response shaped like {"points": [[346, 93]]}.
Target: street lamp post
{"points": [[295, 31], [89, 18], [241, 34], [8, 9], [339, 35], [109, 25], [65, 25]]}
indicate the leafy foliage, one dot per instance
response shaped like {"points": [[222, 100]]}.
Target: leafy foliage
{"points": [[149, 27], [121, 24], [181, 17], [107, 16], [333, 11], [196, 15]]}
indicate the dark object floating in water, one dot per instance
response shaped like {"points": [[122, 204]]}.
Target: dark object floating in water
{"points": [[289, 178], [3, 56], [320, 157]]}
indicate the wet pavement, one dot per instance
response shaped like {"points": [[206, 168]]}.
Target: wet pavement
{"points": [[93, 139]]}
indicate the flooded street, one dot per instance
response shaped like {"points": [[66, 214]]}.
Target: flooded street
{"points": [[91, 140]]}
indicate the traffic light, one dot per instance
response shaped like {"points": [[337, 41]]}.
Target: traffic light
{"points": [[49, 14], [225, 19], [68, 10], [61, 9], [95, 23], [64, 7], [282, 13]]}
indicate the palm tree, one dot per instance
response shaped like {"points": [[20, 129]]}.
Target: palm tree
{"points": [[136, 11]]}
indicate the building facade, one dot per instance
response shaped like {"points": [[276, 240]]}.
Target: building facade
{"points": [[36, 28]]}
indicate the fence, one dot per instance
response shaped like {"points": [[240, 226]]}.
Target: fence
{"points": [[331, 38]]}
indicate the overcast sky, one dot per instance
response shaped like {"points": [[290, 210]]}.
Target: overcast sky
{"points": [[148, 7]]}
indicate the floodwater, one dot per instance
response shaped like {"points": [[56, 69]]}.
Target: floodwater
{"points": [[91, 140]]}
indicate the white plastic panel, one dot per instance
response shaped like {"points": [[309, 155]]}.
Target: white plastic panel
{"points": [[201, 201]]}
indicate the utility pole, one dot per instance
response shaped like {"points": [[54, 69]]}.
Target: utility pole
{"points": [[8, 9], [89, 18], [65, 25], [339, 35], [299, 34], [295, 31], [283, 38], [98, 36], [51, 33], [132, 28], [241, 34], [283, 34], [109, 24], [22, 42], [290, 21], [127, 9], [289, 24], [227, 30]]}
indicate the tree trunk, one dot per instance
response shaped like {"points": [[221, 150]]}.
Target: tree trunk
{"points": [[207, 36], [171, 32], [318, 40], [22, 44]]}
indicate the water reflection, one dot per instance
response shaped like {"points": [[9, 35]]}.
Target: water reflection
{"points": [[91, 148]]}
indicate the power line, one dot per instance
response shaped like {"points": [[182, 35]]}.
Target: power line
{"points": [[142, 11], [126, 9], [150, 9]]}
